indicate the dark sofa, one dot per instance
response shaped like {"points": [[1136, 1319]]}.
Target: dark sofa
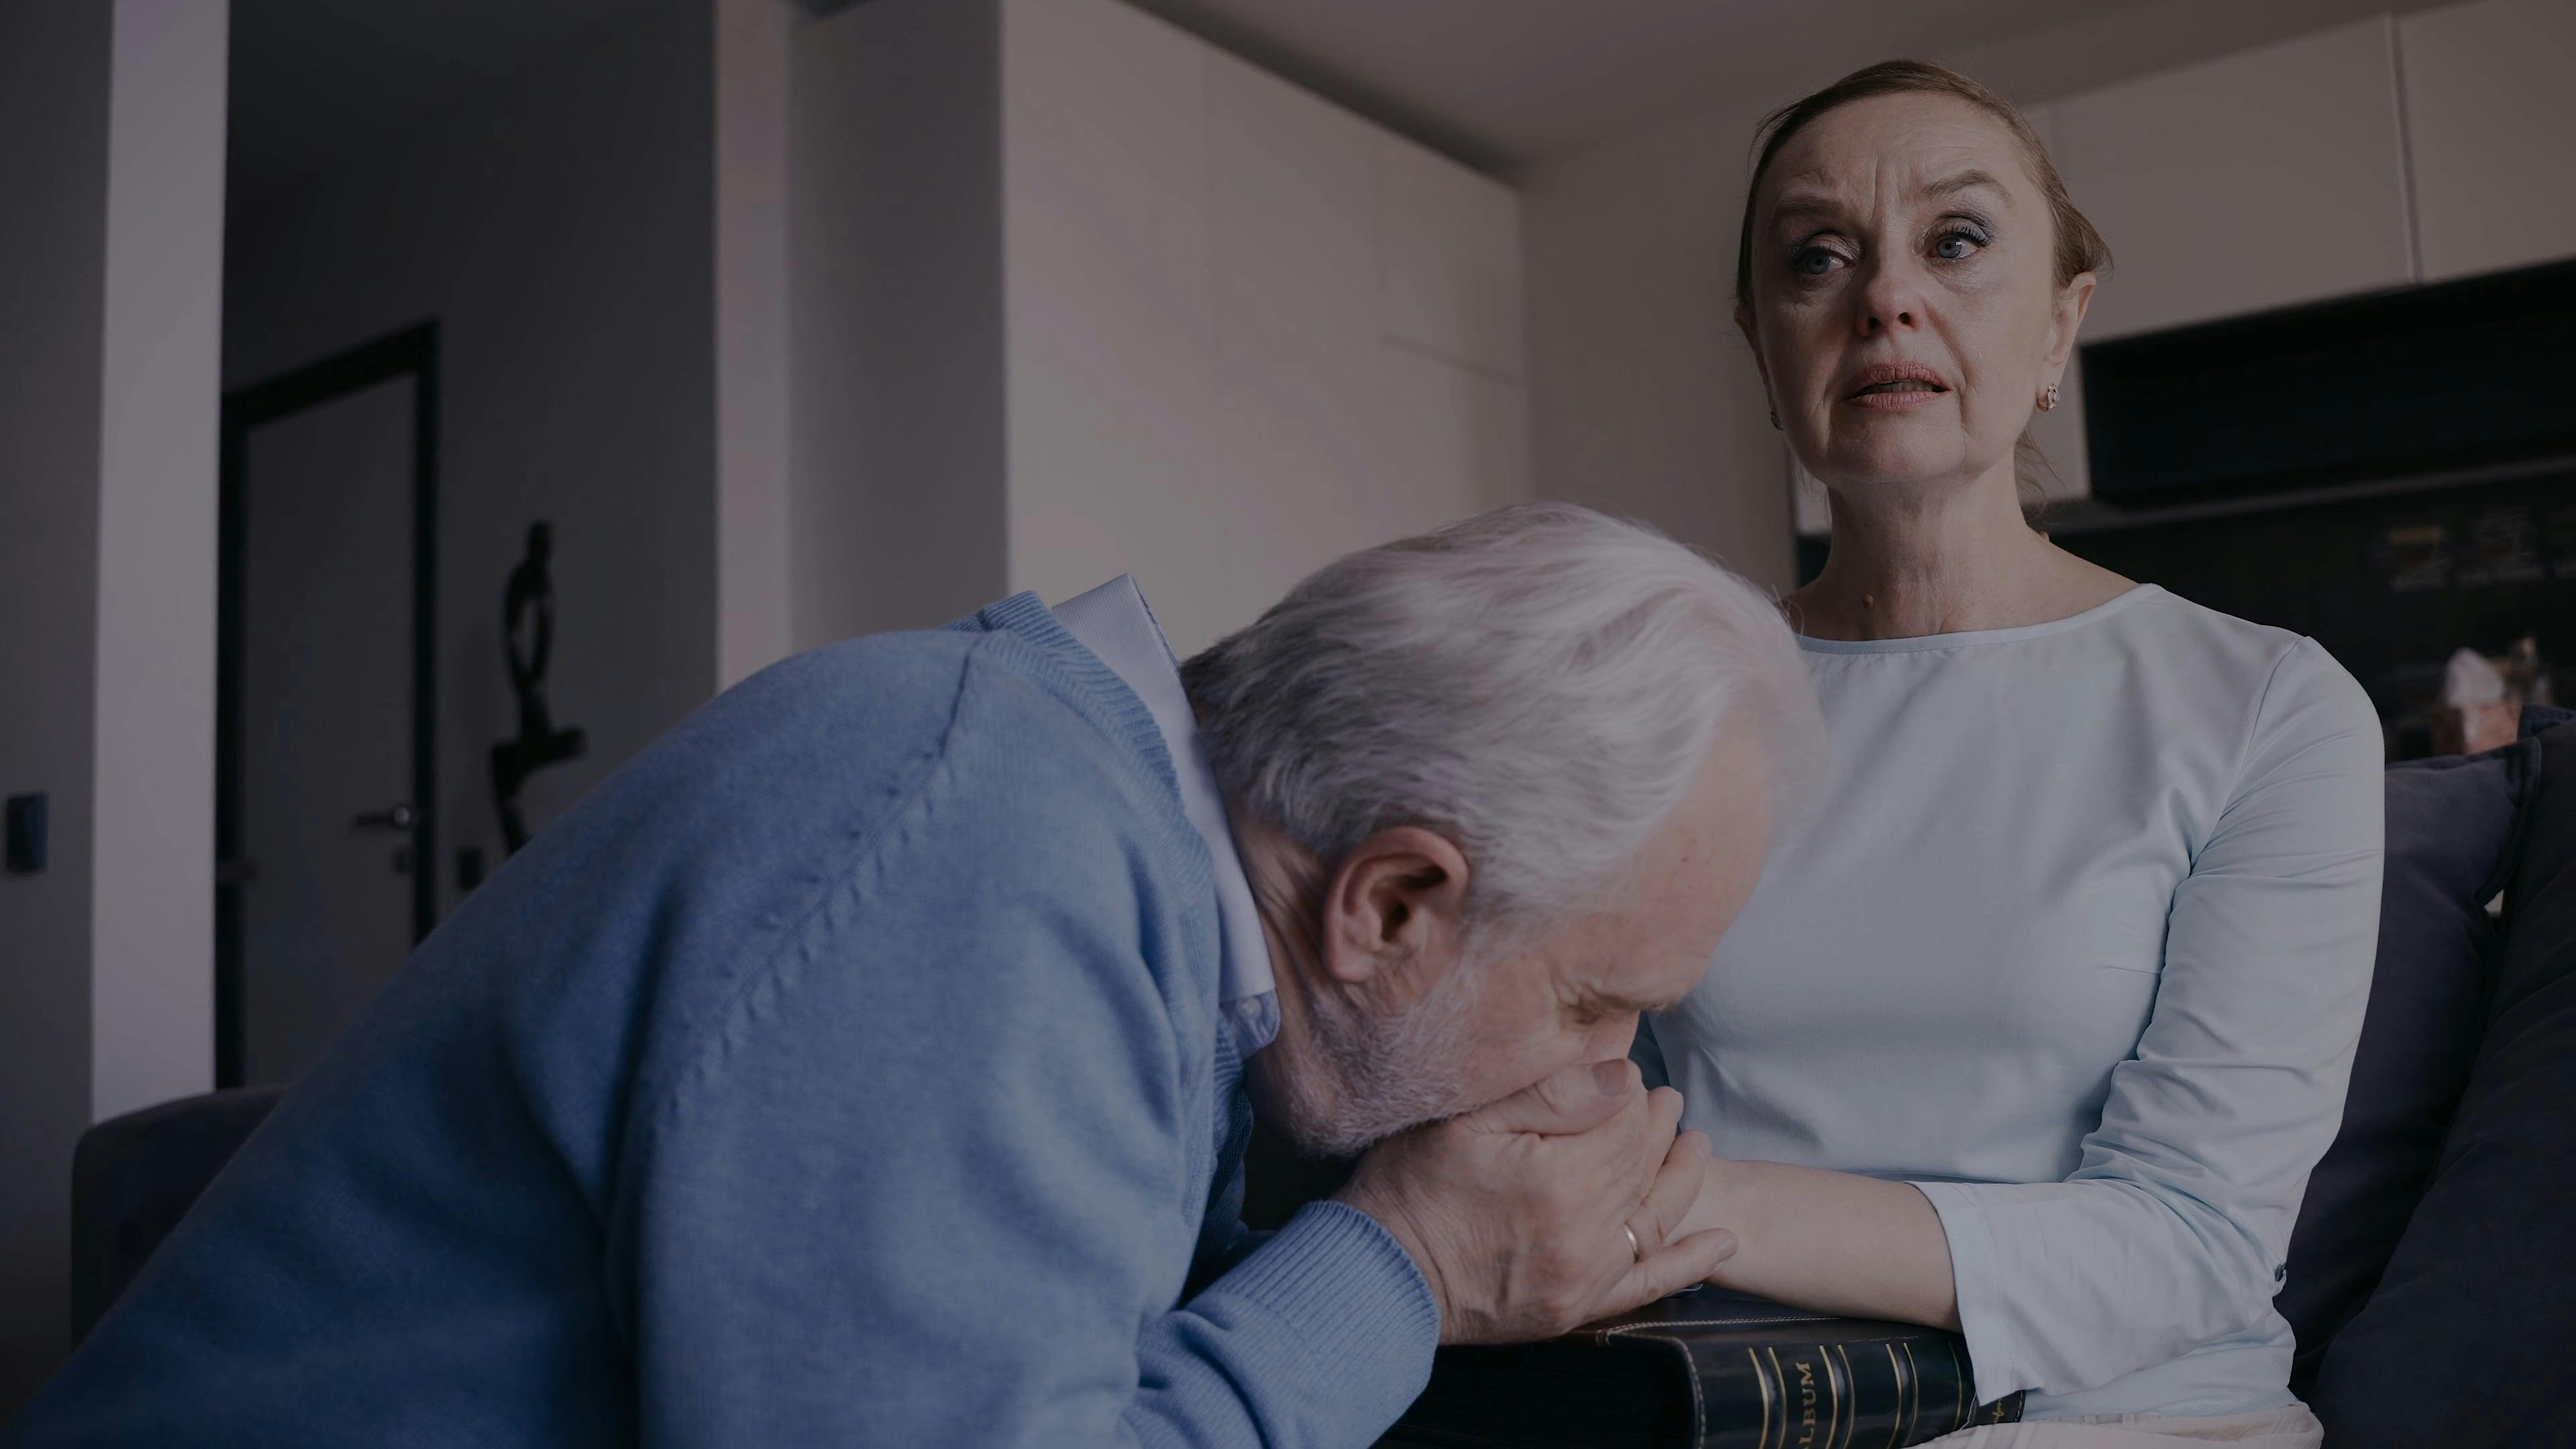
{"points": [[2432, 1275]]}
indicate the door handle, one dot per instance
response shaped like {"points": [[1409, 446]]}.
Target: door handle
{"points": [[392, 817]]}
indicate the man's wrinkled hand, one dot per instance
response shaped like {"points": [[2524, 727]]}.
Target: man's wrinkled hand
{"points": [[1514, 1211]]}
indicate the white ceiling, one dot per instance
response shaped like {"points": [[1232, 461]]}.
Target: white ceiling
{"points": [[1502, 84], [1508, 84]]}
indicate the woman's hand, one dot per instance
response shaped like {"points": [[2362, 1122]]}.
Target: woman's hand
{"points": [[1830, 1242]]}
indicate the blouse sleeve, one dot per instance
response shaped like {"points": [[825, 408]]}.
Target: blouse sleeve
{"points": [[2173, 1230]]}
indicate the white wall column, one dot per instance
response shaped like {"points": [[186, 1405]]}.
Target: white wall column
{"points": [[152, 912], [753, 627], [111, 157]]}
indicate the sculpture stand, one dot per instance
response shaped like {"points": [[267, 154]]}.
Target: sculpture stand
{"points": [[530, 597]]}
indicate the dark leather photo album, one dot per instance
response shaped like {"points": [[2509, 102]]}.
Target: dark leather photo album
{"points": [[1705, 1370]]}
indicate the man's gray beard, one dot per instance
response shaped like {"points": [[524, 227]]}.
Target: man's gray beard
{"points": [[1387, 1073]]}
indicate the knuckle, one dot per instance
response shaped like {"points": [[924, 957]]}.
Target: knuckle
{"points": [[1561, 1309]]}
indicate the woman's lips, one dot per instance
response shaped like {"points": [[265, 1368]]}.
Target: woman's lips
{"points": [[1898, 396], [1893, 386]]}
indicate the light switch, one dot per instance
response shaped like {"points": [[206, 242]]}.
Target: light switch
{"points": [[26, 833]]}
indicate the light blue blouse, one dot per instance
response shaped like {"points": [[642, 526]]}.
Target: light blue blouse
{"points": [[2080, 944]]}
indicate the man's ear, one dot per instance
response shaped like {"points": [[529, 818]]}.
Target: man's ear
{"points": [[1400, 897]]}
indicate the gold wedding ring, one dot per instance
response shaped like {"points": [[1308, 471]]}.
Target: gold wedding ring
{"points": [[1636, 1250]]}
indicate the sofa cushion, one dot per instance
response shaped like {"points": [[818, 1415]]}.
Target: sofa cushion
{"points": [[2466, 1340], [135, 1176], [2451, 823]]}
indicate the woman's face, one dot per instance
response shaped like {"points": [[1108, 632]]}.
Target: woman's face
{"points": [[1904, 307]]}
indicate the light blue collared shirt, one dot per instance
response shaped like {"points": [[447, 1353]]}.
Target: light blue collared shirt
{"points": [[1114, 622]]}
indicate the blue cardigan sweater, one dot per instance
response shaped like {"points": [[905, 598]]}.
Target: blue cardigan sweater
{"points": [[845, 1070]]}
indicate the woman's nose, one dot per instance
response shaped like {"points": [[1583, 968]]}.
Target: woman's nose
{"points": [[1890, 299]]}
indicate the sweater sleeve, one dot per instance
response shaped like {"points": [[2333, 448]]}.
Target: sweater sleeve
{"points": [[846, 1222], [2173, 1230]]}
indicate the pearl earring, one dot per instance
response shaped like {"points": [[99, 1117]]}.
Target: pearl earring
{"points": [[2048, 399]]}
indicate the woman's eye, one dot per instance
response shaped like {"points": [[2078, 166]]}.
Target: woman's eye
{"points": [[1956, 245], [1811, 261]]}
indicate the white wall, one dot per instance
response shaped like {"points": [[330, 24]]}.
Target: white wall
{"points": [[1646, 398], [895, 277], [1248, 330], [1077, 293], [111, 123], [562, 232]]}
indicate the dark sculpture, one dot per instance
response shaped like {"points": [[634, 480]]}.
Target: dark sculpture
{"points": [[531, 595]]}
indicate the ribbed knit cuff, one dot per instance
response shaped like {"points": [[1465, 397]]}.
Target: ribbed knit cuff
{"points": [[1349, 1296], [1993, 1354]]}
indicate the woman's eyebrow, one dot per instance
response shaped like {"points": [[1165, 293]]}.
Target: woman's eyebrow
{"points": [[1798, 201], [1964, 181], [1803, 201]]}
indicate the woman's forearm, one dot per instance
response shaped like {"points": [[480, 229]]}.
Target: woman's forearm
{"points": [[1830, 1241]]}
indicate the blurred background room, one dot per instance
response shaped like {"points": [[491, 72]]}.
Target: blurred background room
{"points": [[410, 408]]}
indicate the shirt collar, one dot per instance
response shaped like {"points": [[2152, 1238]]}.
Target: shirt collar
{"points": [[1115, 623]]}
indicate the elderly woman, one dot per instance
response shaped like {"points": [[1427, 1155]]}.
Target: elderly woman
{"points": [[2039, 1034]]}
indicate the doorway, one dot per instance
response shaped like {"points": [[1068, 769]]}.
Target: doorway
{"points": [[326, 698]]}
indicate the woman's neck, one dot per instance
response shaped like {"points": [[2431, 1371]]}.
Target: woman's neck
{"points": [[1906, 564]]}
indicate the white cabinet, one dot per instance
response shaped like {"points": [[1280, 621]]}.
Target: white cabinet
{"points": [[2491, 123], [2260, 180]]}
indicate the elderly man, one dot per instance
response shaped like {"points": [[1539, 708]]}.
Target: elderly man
{"points": [[866, 1063]]}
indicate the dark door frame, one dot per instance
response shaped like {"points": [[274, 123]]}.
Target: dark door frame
{"points": [[411, 352]]}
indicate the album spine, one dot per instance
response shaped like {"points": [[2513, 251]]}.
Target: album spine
{"points": [[1882, 1394]]}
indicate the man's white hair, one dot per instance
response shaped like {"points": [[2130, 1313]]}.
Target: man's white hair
{"points": [[1539, 684]]}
